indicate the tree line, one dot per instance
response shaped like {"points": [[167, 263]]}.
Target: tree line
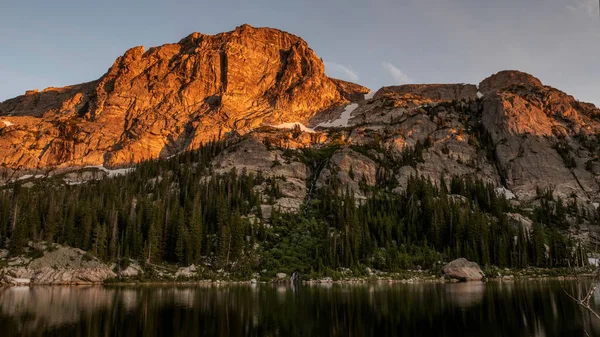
{"points": [[181, 211]]}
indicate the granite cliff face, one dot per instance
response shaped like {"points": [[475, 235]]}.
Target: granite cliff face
{"points": [[166, 99], [514, 132], [510, 130]]}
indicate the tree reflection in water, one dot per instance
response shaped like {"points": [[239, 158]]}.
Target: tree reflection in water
{"points": [[462, 309]]}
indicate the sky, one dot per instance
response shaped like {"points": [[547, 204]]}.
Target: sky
{"points": [[371, 42]]}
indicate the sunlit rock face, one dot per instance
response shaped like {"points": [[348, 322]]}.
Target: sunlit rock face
{"points": [[510, 130], [166, 99], [543, 138]]}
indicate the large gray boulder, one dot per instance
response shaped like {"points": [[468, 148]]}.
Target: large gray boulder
{"points": [[61, 265], [463, 270]]}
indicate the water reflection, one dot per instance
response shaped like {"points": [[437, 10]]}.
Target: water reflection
{"points": [[465, 295], [464, 309]]}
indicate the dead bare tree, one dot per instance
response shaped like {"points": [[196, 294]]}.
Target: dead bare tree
{"points": [[583, 293]]}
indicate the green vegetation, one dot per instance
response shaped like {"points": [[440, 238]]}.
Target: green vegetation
{"points": [[179, 211]]}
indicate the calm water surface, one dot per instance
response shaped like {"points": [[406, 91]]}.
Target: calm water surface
{"points": [[472, 309]]}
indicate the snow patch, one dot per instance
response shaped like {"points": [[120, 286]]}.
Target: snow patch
{"points": [[370, 95], [508, 194], [343, 120], [594, 261], [114, 173], [292, 125], [596, 205], [7, 123], [28, 176], [479, 94]]}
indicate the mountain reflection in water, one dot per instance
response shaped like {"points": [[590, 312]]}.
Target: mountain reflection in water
{"points": [[461, 309]]}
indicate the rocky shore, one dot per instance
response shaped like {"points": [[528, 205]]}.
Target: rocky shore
{"points": [[53, 264]]}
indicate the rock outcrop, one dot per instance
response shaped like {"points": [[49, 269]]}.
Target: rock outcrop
{"points": [[463, 270], [166, 99], [57, 265], [436, 92]]}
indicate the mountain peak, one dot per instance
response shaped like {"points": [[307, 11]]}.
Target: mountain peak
{"points": [[508, 78], [170, 98]]}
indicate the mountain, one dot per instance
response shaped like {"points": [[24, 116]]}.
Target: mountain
{"points": [[167, 99], [265, 162], [510, 129]]}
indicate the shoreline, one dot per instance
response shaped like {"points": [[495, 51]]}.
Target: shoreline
{"points": [[429, 279], [57, 265]]}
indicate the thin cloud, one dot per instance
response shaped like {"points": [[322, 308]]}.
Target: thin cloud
{"points": [[398, 75], [591, 7], [342, 71]]}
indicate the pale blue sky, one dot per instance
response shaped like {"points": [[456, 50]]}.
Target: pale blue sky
{"points": [[374, 43]]}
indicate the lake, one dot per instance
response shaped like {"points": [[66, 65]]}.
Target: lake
{"points": [[532, 308]]}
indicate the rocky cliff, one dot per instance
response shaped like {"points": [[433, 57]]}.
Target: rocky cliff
{"points": [[510, 129], [167, 99]]}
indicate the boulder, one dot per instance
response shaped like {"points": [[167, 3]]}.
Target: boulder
{"points": [[132, 270], [186, 272], [463, 270]]}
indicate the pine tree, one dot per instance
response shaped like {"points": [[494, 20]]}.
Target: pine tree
{"points": [[539, 249]]}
